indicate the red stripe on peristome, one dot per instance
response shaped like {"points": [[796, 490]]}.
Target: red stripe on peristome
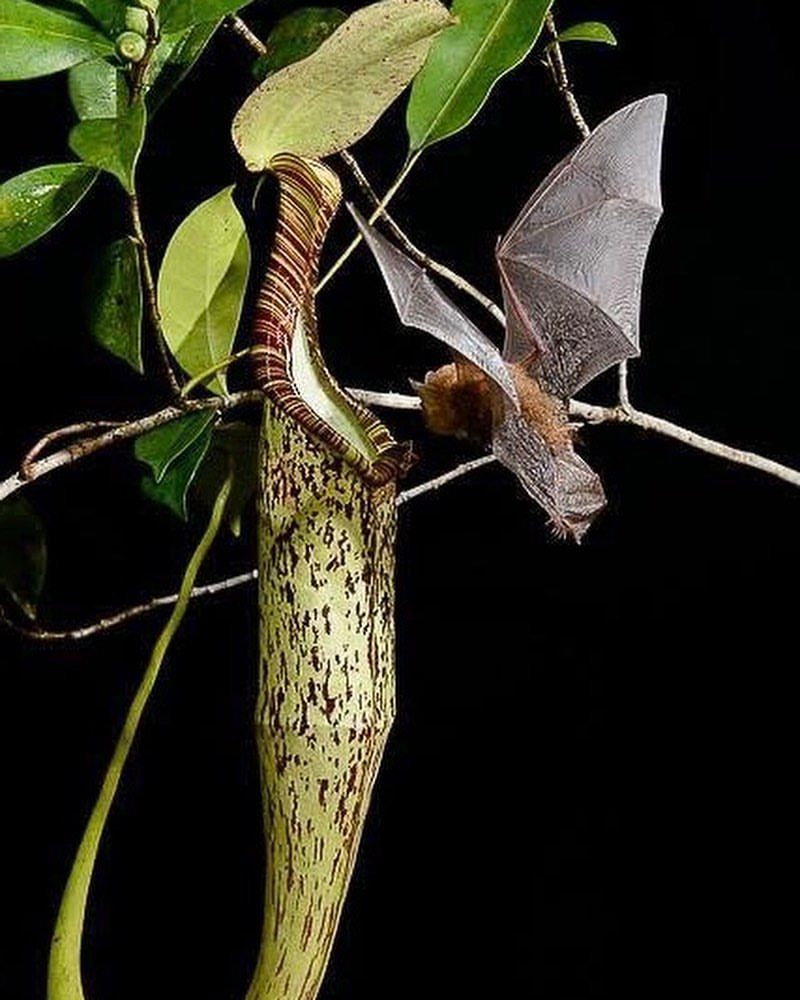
{"points": [[310, 194]]}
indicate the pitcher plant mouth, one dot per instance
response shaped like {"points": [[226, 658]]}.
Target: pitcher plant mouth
{"points": [[289, 367]]}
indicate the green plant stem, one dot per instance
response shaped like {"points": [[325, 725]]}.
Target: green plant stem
{"points": [[218, 367], [64, 972], [399, 181], [151, 294]]}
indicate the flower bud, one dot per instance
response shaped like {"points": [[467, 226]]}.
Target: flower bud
{"points": [[137, 20], [131, 46], [151, 5]]}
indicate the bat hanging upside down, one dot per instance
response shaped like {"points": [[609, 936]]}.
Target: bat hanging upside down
{"points": [[571, 269]]}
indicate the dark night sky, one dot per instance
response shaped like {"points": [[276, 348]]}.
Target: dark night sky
{"points": [[586, 793]]}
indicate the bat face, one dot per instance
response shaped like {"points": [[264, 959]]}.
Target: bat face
{"points": [[571, 269]]}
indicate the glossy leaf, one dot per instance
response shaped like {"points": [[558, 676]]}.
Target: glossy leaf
{"points": [[178, 14], [296, 36], [115, 302], [33, 202], [109, 14], [466, 61], [97, 89], [37, 41], [327, 101], [202, 284], [234, 450], [172, 59], [173, 488], [112, 144], [23, 554], [588, 31], [162, 447]]}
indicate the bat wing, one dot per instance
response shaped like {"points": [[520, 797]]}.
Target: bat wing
{"points": [[422, 305], [561, 482], [572, 264]]}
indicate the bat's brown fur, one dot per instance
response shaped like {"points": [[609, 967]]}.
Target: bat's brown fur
{"points": [[460, 401]]}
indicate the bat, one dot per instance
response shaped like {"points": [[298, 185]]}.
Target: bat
{"points": [[571, 269]]}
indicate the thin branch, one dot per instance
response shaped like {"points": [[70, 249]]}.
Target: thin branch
{"points": [[623, 414], [443, 480], [84, 447], [622, 386], [590, 414], [151, 295], [129, 614], [387, 400], [380, 209], [657, 425], [238, 27], [413, 250], [558, 68], [73, 430]]}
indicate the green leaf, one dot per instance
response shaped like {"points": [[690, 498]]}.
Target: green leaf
{"points": [[33, 202], [109, 14], [23, 554], [37, 41], [202, 284], [177, 14], [296, 36], [115, 302], [173, 488], [234, 450], [172, 59], [491, 38], [113, 144], [327, 101], [162, 447], [97, 89], [588, 31]]}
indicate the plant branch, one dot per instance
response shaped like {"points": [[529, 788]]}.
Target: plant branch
{"points": [[590, 414], [151, 295], [558, 69], [624, 414], [380, 209], [84, 447], [238, 27], [448, 477], [413, 250], [73, 430], [128, 614]]}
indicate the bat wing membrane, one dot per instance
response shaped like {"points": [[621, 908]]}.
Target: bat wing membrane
{"points": [[422, 305], [569, 491], [572, 264]]}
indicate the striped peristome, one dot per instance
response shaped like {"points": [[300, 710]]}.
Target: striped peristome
{"points": [[326, 561]]}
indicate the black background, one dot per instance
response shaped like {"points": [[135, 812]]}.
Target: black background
{"points": [[588, 790]]}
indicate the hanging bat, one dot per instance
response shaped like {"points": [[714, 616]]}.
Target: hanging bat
{"points": [[571, 270]]}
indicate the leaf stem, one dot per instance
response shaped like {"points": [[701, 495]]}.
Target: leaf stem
{"points": [[64, 971], [151, 295], [218, 367], [379, 210], [240, 28], [413, 250], [558, 67]]}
